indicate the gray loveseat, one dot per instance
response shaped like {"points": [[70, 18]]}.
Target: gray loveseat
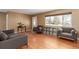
{"points": [[13, 41], [68, 33]]}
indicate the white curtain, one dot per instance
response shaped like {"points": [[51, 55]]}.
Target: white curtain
{"points": [[34, 22]]}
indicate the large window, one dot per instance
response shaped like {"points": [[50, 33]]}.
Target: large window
{"points": [[67, 20], [59, 20]]}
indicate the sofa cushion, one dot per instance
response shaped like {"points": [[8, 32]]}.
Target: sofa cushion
{"points": [[8, 31], [67, 34], [13, 35], [3, 36], [68, 30]]}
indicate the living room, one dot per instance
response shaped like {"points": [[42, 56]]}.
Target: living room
{"points": [[39, 28]]}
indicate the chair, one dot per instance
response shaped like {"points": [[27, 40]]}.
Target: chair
{"points": [[38, 29]]}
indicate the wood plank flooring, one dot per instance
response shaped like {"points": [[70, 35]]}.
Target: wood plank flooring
{"points": [[43, 41]]}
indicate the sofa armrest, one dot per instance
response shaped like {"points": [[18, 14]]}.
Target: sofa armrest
{"points": [[74, 34], [9, 31], [59, 32]]}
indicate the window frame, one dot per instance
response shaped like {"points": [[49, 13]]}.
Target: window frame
{"points": [[62, 19]]}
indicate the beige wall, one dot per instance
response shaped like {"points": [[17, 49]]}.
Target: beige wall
{"points": [[14, 18], [2, 21], [75, 16]]}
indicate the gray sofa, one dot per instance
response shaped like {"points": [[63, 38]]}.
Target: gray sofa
{"points": [[13, 41], [68, 33]]}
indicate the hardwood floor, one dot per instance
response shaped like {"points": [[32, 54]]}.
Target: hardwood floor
{"points": [[43, 41]]}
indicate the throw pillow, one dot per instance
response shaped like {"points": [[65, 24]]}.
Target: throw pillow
{"points": [[3, 36]]}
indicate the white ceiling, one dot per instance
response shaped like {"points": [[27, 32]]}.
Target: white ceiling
{"points": [[26, 11]]}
